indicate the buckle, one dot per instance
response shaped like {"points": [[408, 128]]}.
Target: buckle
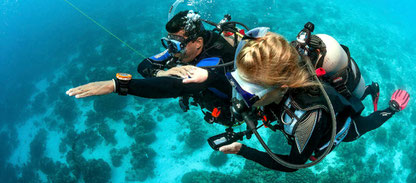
{"points": [[209, 118]]}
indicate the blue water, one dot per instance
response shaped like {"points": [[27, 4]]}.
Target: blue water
{"points": [[47, 47]]}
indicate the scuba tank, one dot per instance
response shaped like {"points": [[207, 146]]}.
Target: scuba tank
{"points": [[326, 54], [339, 65]]}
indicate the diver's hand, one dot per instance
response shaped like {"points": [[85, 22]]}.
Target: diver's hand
{"points": [[91, 89], [180, 71], [233, 148], [197, 75]]}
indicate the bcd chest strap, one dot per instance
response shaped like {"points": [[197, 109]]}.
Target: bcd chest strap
{"points": [[301, 112]]}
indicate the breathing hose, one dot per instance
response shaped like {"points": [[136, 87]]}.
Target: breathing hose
{"points": [[251, 123]]}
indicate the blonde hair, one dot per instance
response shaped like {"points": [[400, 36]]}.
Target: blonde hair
{"points": [[271, 61]]}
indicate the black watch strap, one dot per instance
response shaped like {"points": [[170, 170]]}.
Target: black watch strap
{"points": [[122, 86]]}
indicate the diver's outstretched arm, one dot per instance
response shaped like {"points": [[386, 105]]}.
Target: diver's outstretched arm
{"points": [[156, 87], [91, 89]]}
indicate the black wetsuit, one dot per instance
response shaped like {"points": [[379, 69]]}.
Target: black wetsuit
{"points": [[320, 136], [204, 94]]}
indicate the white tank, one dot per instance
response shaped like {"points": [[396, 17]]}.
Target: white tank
{"points": [[336, 59]]}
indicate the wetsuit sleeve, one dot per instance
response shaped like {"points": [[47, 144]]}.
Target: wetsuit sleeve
{"points": [[294, 157], [217, 79], [167, 87], [150, 66]]}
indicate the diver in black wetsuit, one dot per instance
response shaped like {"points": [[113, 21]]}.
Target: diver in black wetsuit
{"points": [[291, 99], [198, 47], [188, 45], [272, 81]]}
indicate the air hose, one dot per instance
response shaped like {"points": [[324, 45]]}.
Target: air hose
{"points": [[251, 123], [229, 63]]}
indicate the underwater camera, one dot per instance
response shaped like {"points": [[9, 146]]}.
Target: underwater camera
{"points": [[229, 136], [225, 138]]}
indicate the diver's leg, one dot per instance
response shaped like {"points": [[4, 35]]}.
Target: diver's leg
{"points": [[374, 91], [362, 125], [366, 92], [373, 121]]}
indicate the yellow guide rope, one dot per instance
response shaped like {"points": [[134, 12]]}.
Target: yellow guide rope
{"points": [[105, 29]]}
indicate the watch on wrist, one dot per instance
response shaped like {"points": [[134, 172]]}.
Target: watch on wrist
{"points": [[123, 80]]}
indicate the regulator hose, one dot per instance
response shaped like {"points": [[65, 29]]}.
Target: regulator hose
{"points": [[251, 123]]}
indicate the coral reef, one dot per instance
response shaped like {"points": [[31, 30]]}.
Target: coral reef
{"points": [[56, 171], [92, 171], [303, 175], [96, 171], [168, 107], [28, 175], [254, 172], [107, 133], [381, 137], [217, 158], [90, 138], [196, 138], [94, 119], [142, 162], [38, 104], [8, 172], [207, 177], [7, 144], [51, 123], [110, 106], [117, 156], [37, 147], [67, 110], [141, 129]]}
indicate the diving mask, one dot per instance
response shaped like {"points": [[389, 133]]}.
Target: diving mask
{"points": [[175, 44], [250, 93]]}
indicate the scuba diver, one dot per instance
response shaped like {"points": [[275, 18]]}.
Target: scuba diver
{"points": [[275, 81], [187, 45]]}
